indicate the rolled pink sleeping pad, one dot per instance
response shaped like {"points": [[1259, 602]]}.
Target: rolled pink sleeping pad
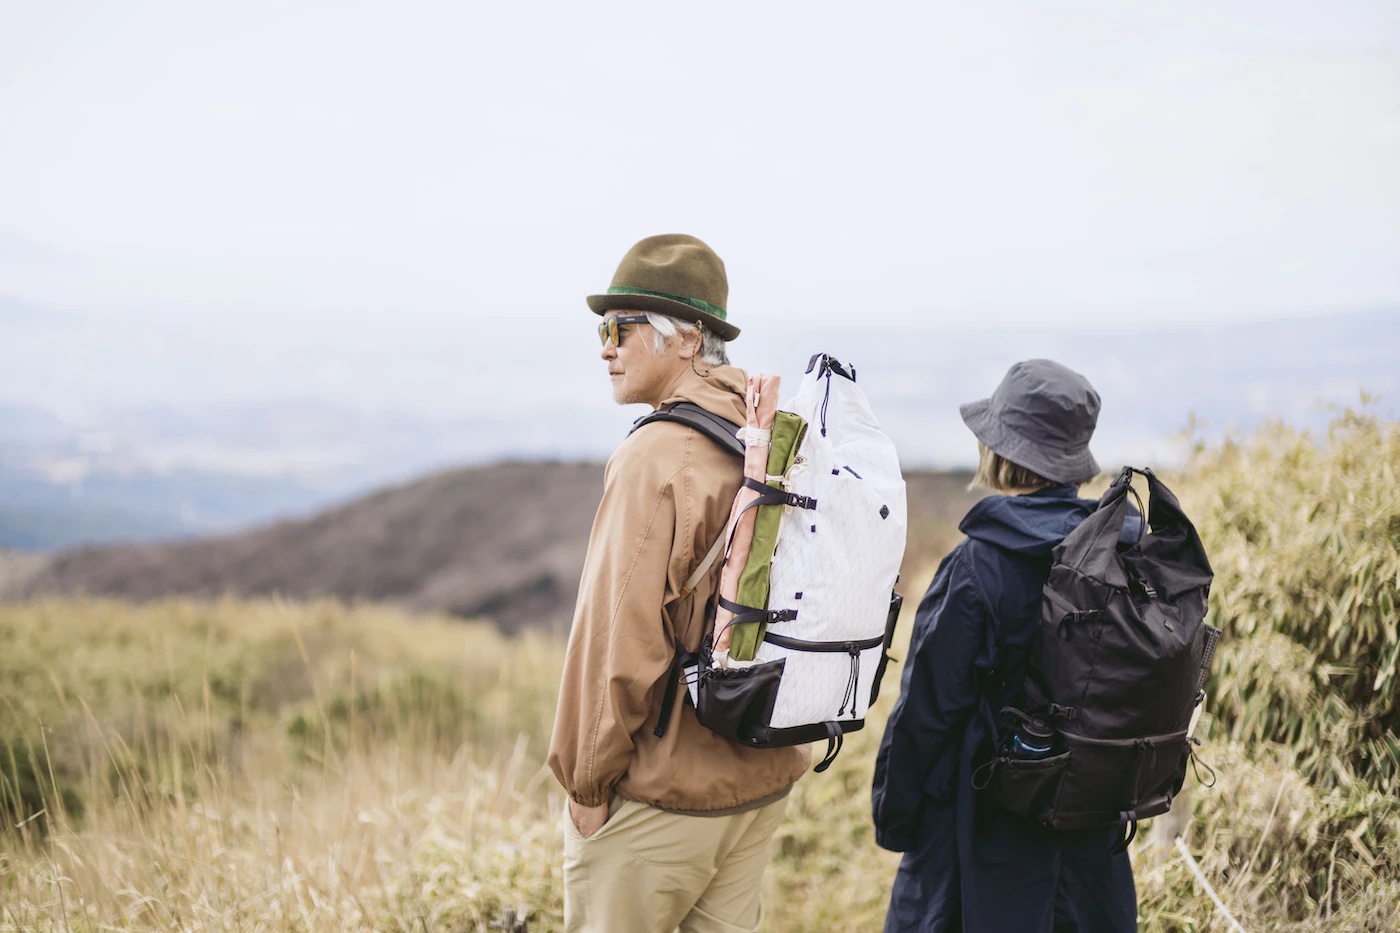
{"points": [[762, 399]]}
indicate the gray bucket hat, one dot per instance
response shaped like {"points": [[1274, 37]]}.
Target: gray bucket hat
{"points": [[1041, 417]]}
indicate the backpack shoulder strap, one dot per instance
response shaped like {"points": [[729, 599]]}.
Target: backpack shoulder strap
{"points": [[724, 433], [720, 430]]}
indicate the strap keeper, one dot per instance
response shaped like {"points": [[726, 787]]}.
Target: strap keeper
{"points": [[755, 437]]}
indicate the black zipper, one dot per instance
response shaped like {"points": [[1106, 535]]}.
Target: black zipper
{"points": [[845, 647]]}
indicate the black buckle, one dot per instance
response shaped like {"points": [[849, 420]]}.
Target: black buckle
{"points": [[771, 495]]}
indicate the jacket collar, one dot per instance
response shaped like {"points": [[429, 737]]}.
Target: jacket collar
{"points": [[1059, 491], [720, 391]]}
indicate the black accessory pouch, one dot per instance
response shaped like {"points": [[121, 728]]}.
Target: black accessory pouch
{"points": [[737, 702], [1084, 786]]}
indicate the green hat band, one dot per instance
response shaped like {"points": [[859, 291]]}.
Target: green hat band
{"points": [[695, 303]]}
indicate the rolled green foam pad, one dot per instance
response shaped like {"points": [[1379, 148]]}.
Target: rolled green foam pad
{"points": [[788, 430]]}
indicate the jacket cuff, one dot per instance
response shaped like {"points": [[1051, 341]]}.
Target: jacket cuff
{"points": [[895, 839], [596, 799]]}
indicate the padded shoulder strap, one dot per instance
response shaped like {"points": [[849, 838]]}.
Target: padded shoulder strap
{"points": [[720, 430]]}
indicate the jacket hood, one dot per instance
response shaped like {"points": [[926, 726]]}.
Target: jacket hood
{"points": [[721, 391], [1031, 524]]}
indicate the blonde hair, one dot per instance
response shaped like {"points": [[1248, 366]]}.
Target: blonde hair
{"points": [[998, 474]]}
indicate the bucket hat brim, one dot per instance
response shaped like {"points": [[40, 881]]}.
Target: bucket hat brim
{"points": [[1066, 466], [602, 304]]}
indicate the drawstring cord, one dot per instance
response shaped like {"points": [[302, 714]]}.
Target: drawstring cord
{"points": [[825, 399], [1197, 764], [852, 682]]}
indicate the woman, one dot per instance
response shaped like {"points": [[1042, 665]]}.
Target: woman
{"points": [[968, 865]]}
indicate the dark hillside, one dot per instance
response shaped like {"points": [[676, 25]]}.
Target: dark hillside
{"points": [[505, 541]]}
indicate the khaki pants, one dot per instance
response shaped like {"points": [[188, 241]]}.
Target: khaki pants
{"points": [[650, 871]]}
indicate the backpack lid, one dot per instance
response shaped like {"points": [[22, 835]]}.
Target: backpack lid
{"points": [[1170, 556]]}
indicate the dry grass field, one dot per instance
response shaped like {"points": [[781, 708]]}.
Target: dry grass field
{"points": [[262, 765]]}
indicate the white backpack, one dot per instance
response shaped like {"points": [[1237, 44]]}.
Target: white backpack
{"points": [[824, 636]]}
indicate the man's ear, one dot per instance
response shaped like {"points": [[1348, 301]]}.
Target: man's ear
{"points": [[699, 340], [690, 349]]}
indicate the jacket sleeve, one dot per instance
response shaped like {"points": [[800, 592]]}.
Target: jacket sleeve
{"points": [[938, 696], [620, 647]]}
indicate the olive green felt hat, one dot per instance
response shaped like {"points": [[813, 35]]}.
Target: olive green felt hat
{"points": [[672, 274]]}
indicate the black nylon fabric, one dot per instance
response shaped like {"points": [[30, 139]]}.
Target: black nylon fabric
{"points": [[1115, 668], [969, 864], [1172, 558]]}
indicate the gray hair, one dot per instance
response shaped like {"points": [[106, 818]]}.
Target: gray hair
{"points": [[712, 348]]}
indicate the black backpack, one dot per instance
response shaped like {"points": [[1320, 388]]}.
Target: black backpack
{"points": [[1116, 671]]}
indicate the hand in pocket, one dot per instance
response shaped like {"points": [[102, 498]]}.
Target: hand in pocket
{"points": [[588, 820]]}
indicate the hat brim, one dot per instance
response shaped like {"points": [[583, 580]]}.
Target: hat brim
{"points": [[1078, 466], [602, 304]]}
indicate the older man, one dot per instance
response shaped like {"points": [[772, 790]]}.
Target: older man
{"points": [[668, 824]]}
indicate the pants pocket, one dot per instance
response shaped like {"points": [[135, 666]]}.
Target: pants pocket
{"points": [[616, 814]]}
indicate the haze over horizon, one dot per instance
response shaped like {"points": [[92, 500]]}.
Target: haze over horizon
{"points": [[927, 162], [346, 243]]}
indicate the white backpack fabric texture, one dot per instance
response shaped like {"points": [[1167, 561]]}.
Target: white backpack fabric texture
{"points": [[838, 563], [831, 606]]}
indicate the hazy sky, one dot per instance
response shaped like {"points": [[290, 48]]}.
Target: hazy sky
{"points": [[1103, 164]]}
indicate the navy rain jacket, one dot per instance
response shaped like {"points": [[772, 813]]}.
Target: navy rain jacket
{"points": [[968, 865]]}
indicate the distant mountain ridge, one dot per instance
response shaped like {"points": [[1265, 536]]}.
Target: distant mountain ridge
{"points": [[505, 542], [180, 466]]}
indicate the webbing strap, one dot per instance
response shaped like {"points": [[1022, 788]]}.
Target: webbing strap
{"points": [[717, 429], [1130, 824], [834, 739], [770, 496], [668, 699], [694, 579], [743, 614]]}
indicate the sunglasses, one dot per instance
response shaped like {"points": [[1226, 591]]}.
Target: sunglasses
{"points": [[610, 328]]}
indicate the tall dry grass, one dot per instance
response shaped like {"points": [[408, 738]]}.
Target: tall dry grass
{"points": [[264, 766]]}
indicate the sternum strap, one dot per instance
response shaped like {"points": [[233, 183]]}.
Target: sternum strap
{"points": [[770, 496], [744, 614]]}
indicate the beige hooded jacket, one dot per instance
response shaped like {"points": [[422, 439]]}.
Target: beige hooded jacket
{"points": [[667, 491]]}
